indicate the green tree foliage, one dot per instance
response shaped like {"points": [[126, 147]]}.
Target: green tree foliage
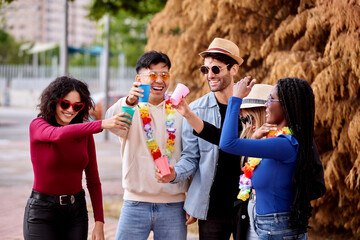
{"points": [[128, 24], [80, 59], [139, 8], [128, 35], [2, 2], [9, 49]]}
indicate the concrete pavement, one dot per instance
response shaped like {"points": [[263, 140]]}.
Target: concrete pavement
{"points": [[16, 180]]}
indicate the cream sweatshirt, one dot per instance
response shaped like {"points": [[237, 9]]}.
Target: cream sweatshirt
{"points": [[138, 173]]}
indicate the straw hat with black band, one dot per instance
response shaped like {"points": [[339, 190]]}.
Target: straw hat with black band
{"points": [[257, 96], [223, 46]]}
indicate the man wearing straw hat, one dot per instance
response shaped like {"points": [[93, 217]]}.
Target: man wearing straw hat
{"points": [[215, 173]]}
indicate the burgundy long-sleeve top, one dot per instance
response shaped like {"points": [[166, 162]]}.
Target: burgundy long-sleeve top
{"points": [[59, 156]]}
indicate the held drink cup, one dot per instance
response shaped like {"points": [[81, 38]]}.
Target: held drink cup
{"points": [[163, 165], [128, 110], [272, 132], [180, 92], [146, 88]]}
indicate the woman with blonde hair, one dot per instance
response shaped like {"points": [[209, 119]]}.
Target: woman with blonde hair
{"points": [[252, 111]]}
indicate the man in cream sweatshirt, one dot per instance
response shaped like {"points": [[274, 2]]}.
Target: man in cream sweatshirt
{"points": [[154, 131]]}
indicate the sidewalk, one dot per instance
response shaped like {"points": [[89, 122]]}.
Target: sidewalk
{"points": [[16, 179]]}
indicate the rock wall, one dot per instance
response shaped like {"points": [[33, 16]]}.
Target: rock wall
{"points": [[317, 40]]}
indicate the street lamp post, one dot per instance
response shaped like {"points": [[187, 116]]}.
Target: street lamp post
{"points": [[64, 43], [105, 73]]}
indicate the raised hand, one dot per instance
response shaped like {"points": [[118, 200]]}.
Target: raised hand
{"points": [[243, 88], [134, 94]]}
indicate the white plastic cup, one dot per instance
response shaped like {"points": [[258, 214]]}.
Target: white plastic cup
{"points": [[180, 92]]}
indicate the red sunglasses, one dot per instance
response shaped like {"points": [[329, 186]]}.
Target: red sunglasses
{"points": [[64, 104]]}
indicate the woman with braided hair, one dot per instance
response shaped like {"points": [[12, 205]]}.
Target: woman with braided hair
{"points": [[282, 165]]}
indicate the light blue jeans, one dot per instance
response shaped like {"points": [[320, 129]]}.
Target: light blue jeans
{"points": [[137, 219], [276, 227], [251, 234]]}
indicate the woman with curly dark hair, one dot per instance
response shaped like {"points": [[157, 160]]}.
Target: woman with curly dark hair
{"points": [[282, 167], [62, 147]]}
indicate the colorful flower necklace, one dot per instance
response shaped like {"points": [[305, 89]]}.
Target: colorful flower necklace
{"points": [[151, 141], [245, 182]]}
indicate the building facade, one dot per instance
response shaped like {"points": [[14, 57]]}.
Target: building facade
{"points": [[41, 21]]}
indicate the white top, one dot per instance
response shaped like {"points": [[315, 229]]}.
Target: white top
{"points": [[138, 173]]}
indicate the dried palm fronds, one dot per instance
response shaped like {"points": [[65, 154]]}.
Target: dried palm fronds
{"points": [[315, 40]]}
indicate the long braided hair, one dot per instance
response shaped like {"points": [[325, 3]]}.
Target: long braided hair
{"points": [[297, 101]]}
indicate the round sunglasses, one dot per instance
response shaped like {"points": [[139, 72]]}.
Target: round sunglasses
{"points": [[154, 75], [215, 69], [65, 104]]}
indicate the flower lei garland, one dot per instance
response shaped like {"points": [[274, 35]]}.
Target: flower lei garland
{"points": [[245, 182], [170, 120]]}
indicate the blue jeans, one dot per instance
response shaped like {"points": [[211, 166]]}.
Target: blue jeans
{"points": [[251, 234], [276, 227], [137, 219]]}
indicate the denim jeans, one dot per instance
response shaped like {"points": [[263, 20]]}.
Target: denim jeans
{"points": [[251, 234], [47, 220], [276, 227], [137, 219]]}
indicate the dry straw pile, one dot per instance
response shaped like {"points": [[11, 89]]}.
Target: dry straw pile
{"points": [[315, 40]]}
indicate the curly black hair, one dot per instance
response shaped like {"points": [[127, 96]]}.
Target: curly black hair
{"points": [[298, 104], [58, 89]]}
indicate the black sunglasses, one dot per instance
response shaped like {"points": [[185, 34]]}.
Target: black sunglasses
{"points": [[245, 120], [215, 69]]}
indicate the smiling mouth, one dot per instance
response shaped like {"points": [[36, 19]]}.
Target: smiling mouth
{"points": [[68, 114], [213, 81], [158, 88]]}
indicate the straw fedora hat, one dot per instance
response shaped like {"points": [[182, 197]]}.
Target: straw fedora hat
{"points": [[257, 96], [227, 47]]}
